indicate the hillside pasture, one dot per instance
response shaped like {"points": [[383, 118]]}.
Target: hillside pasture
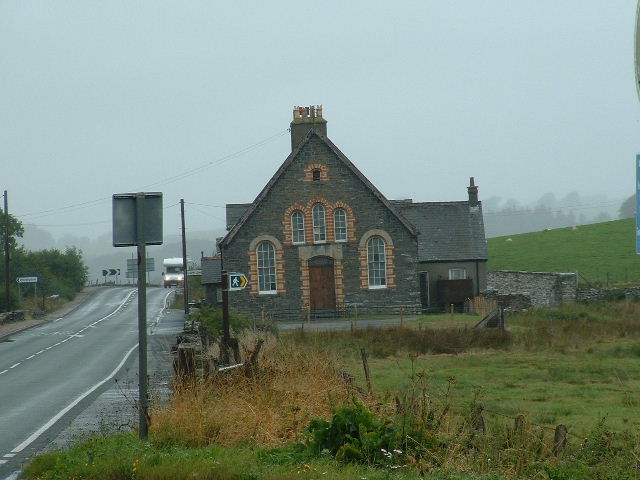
{"points": [[592, 250]]}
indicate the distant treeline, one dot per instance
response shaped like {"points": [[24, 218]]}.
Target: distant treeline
{"points": [[511, 217], [61, 273]]}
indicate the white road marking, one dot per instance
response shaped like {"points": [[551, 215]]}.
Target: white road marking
{"points": [[57, 319], [3, 371], [14, 365], [34, 436], [76, 334], [9, 455]]}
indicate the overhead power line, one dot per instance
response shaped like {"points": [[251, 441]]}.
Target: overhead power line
{"points": [[171, 179]]}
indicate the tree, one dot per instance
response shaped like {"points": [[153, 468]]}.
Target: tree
{"points": [[15, 230], [628, 208], [9, 229]]}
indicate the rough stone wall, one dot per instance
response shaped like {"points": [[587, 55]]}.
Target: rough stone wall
{"points": [[545, 289], [338, 186], [589, 295]]}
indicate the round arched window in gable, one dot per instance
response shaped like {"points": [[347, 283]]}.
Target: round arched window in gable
{"points": [[377, 262], [340, 225], [297, 227], [319, 225]]}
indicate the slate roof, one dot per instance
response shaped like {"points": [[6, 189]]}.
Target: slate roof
{"points": [[211, 270], [447, 231], [289, 160], [235, 212]]}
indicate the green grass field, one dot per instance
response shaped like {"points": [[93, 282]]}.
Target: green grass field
{"points": [[577, 366], [592, 250]]}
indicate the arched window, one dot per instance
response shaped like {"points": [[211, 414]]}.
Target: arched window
{"points": [[266, 255], [297, 227], [319, 228], [340, 225], [377, 262]]}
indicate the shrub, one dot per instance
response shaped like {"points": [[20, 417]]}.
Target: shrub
{"points": [[354, 435], [210, 320]]}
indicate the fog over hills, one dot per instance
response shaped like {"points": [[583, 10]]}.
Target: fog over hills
{"points": [[501, 216], [99, 254]]}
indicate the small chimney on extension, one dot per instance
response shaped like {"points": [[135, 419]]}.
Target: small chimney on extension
{"points": [[304, 120], [473, 193]]}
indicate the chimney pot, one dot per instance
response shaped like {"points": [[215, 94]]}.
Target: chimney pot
{"points": [[306, 119], [472, 189]]}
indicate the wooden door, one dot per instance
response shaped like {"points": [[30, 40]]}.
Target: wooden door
{"points": [[322, 284]]}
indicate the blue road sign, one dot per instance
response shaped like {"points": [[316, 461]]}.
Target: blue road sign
{"points": [[237, 281]]}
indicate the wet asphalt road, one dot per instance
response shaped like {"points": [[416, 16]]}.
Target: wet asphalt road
{"points": [[67, 369]]}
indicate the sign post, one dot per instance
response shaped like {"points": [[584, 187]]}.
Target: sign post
{"points": [[230, 282], [225, 318], [137, 221], [22, 280]]}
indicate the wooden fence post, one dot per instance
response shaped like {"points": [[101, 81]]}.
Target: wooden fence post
{"points": [[559, 440], [367, 374], [477, 421], [356, 315], [519, 423]]}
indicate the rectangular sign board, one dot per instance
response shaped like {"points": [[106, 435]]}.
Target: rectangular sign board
{"points": [[27, 279], [125, 219], [237, 281], [132, 265]]}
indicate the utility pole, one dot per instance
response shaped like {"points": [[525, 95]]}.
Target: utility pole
{"points": [[185, 267], [7, 296]]}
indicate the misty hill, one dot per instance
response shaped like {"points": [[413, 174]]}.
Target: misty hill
{"points": [[593, 250], [509, 217], [99, 254]]}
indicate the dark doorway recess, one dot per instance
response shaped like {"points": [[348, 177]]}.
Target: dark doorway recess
{"points": [[322, 287]]}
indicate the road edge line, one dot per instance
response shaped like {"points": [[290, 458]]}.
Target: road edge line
{"points": [[34, 436]]}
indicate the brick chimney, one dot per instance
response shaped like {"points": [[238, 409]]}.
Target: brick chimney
{"points": [[304, 120], [473, 193]]}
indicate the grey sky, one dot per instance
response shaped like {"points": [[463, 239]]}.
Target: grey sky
{"points": [[103, 97]]}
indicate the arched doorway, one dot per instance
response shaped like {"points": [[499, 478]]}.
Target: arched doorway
{"points": [[322, 285]]}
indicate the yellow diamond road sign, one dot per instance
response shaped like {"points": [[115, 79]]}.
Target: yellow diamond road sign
{"points": [[237, 281]]}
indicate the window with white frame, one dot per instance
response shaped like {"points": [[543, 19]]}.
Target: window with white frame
{"points": [[297, 227], [319, 227], [340, 225], [377, 262], [457, 273], [266, 255]]}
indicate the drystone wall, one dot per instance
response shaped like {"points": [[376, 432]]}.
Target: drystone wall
{"points": [[590, 295], [544, 289]]}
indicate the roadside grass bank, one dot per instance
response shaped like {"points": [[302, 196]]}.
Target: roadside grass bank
{"points": [[447, 403], [196, 292]]}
